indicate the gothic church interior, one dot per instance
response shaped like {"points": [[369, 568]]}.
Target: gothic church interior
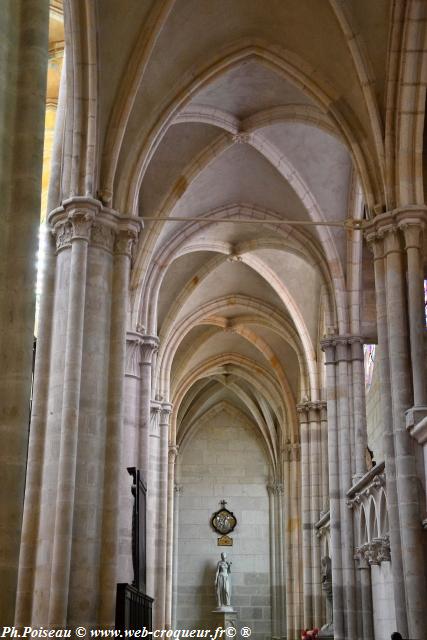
{"points": [[230, 298]]}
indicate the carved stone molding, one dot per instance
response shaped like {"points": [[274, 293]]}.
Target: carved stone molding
{"points": [[368, 485], [125, 241], [149, 345], [81, 224], [62, 233], [375, 552], [165, 411], [172, 453], [241, 137], [391, 229], [275, 488], [102, 236], [133, 354], [88, 219]]}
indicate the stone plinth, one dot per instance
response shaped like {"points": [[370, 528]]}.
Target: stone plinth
{"points": [[225, 617]]}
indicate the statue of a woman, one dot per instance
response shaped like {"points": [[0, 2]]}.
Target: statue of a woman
{"points": [[223, 582]]}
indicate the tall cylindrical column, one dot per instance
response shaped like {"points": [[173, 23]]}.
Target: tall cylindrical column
{"points": [[114, 436], [63, 525], [345, 470], [324, 457], [271, 489], [23, 67], [376, 242], [75, 539], [407, 480], [148, 346], [306, 515], [130, 452], [328, 346], [165, 411], [315, 506], [172, 453], [364, 571], [359, 407]]}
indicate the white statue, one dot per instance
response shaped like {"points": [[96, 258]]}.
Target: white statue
{"points": [[223, 583]]}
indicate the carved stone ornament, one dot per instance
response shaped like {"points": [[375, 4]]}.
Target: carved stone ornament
{"points": [[376, 551], [81, 223], [102, 236], [63, 233], [125, 240], [223, 520]]}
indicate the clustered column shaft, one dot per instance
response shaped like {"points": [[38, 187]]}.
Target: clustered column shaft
{"points": [[347, 442], [396, 240], [75, 462], [312, 502]]}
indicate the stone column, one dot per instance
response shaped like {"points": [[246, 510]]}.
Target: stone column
{"points": [[115, 422], [172, 454], [293, 539], [178, 489], [81, 221], [376, 242], [405, 526], [364, 571], [359, 406], [149, 345], [271, 488], [165, 412], [328, 346], [302, 410], [324, 458], [314, 409], [342, 355], [23, 67], [407, 481], [152, 504], [275, 491], [413, 229], [74, 544], [130, 452]]}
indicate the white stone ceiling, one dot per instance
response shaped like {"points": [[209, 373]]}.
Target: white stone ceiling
{"points": [[239, 110]]}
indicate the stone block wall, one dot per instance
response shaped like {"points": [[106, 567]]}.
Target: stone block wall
{"points": [[223, 460]]}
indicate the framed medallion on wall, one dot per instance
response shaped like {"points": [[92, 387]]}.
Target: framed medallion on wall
{"points": [[223, 520]]}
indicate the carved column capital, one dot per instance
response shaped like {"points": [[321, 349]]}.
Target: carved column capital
{"points": [[125, 241], [102, 234], [327, 344], [375, 552], [165, 411], [62, 232], [149, 344]]}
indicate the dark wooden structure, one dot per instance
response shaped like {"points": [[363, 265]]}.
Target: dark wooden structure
{"points": [[133, 606]]}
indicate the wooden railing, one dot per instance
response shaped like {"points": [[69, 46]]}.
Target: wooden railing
{"points": [[133, 608]]}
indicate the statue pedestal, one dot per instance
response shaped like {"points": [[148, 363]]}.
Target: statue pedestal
{"points": [[226, 617]]}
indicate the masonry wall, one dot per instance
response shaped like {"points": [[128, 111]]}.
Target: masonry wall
{"points": [[224, 460]]}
